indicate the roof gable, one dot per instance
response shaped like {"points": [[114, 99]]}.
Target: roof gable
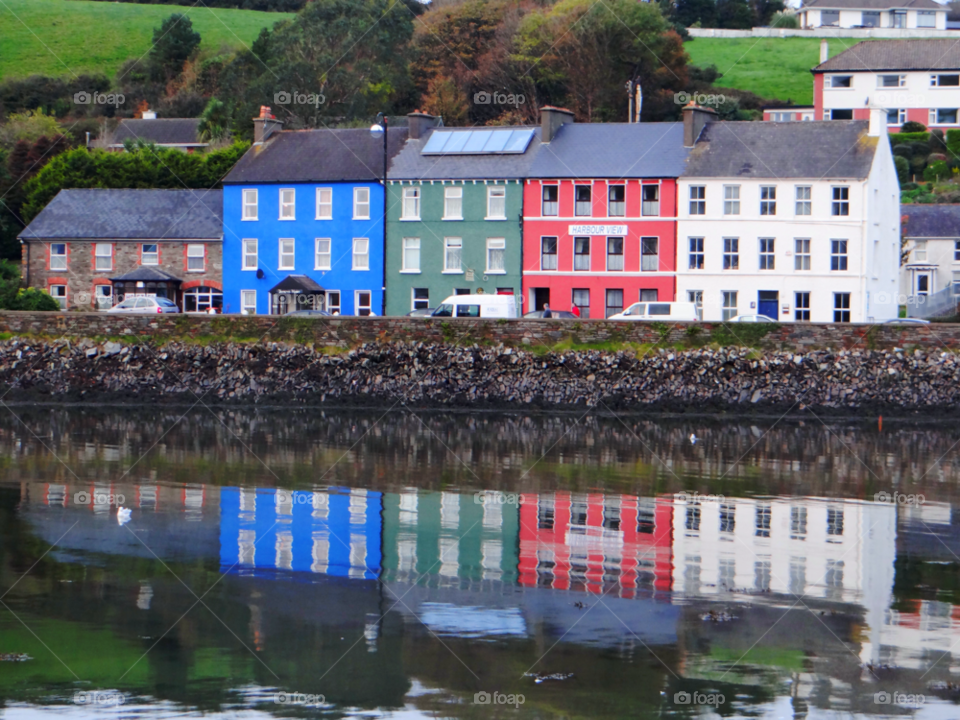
{"points": [[879, 55]]}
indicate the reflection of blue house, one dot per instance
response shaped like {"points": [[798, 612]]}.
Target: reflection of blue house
{"points": [[331, 533]]}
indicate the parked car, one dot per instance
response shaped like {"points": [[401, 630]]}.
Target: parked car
{"points": [[751, 319], [675, 312], [145, 304], [308, 313], [478, 306], [554, 315], [421, 312], [906, 321]]}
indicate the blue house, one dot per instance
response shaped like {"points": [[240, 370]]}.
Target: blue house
{"points": [[303, 221]]}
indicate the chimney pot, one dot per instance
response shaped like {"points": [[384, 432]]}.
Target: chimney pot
{"points": [[418, 122], [551, 118], [694, 118], [265, 125]]}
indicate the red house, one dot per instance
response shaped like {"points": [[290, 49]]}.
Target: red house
{"points": [[600, 215]]}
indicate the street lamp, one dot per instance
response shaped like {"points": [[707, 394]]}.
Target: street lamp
{"points": [[379, 129]]}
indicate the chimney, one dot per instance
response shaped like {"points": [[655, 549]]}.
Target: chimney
{"points": [[878, 122], [694, 118], [264, 126], [551, 118], [419, 122], [824, 51], [149, 115]]}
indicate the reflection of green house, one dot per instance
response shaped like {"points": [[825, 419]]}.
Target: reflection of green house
{"points": [[450, 536]]}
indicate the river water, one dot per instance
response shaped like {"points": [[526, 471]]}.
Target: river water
{"points": [[163, 562]]}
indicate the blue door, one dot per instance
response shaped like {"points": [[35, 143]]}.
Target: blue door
{"points": [[767, 303]]}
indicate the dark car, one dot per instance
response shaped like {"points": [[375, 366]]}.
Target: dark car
{"points": [[308, 313], [554, 315], [421, 312]]}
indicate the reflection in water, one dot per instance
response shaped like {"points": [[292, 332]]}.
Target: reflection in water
{"points": [[587, 552]]}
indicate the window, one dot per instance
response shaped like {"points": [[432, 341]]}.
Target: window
{"points": [[324, 203], [838, 255], [249, 204], [410, 206], [801, 259], [104, 254], [582, 200], [614, 302], [798, 523], [803, 200], [729, 304], [698, 199], [768, 199], [248, 302], [870, 18], [896, 116], [149, 255], [453, 203], [410, 262], [650, 296], [956, 251], [249, 254], [891, 81], [945, 80], [696, 253], [764, 514], [286, 254], [361, 254], [59, 293], [201, 299], [834, 521], [651, 200], [802, 305], [920, 251], [943, 116], [615, 253], [322, 254], [287, 204], [581, 298], [496, 203], [616, 201], [496, 255], [829, 17], [103, 296], [581, 253], [333, 302], [361, 203], [551, 204], [548, 253], [841, 81], [841, 201], [956, 282], [841, 307], [196, 258], [766, 253], [731, 253], [421, 299], [731, 199], [452, 251], [926, 19], [696, 297], [649, 254], [840, 114], [362, 300], [58, 256]]}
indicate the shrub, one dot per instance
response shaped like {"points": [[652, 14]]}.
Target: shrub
{"points": [[928, 199], [936, 141], [785, 20], [912, 126], [903, 170], [897, 138], [33, 299], [936, 157]]}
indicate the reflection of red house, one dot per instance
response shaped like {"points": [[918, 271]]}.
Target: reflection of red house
{"points": [[589, 542]]}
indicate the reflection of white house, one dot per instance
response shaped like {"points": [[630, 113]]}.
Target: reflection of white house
{"points": [[932, 234], [873, 13]]}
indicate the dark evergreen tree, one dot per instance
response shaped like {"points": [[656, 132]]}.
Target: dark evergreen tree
{"points": [[734, 14], [173, 44], [688, 12]]}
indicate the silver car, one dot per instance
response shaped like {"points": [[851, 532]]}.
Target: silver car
{"points": [[143, 304]]}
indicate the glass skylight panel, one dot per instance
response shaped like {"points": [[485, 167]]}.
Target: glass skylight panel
{"points": [[436, 142], [498, 141], [519, 139], [478, 142], [456, 142]]}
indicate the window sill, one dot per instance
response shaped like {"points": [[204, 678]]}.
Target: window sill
{"points": [[321, 269], [495, 219], [362, 218], [452, 272], [495, 272], [283, 219], [285, 269], [248, 269], [249, 219], [356, 269], [410, 272], [405, 219], [196, 271], [446, 219], [324, 217]]}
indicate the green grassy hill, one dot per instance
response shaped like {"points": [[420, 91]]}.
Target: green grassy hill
{"points": [[771, 67], [63, 37]]}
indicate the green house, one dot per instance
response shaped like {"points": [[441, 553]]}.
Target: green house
{"points": [[454, 207]]}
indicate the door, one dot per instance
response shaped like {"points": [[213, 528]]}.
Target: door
{"points": [[541, 297], [768, 303], [104, 295], [923, 283]]}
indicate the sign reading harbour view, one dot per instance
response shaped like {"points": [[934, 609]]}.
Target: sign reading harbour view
{"points": [[597, 229]]}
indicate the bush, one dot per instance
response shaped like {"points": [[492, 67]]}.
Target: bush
{"points": [[912, 126], [936, 141], [903, 150], [33, 299], [928, 199], [903, 170], [936, 157], [907, 187], [897, 138], [785, 20]]}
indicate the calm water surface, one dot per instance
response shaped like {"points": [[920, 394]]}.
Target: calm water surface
{"points": [[305, 564]]}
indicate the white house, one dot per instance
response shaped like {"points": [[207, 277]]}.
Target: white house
{"points": [[797, 221], [873, 13], [932, 261]]}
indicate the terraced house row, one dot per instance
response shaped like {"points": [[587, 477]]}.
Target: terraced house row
{"points": [[798, 221]]}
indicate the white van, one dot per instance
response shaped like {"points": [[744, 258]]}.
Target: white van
{"points": [[669, 311], [478, 306]]}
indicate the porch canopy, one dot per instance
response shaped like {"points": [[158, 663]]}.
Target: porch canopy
{"points": [[296, 292], [147, 281]]}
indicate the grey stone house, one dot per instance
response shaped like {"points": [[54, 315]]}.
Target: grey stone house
{"points": [[91, 248]]}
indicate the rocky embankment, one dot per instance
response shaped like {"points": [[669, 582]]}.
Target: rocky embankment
{"points": [[418, 374]]}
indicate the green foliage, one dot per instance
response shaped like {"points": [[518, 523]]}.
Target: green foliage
{"points": [[953, 142], [734, 14], [51, 94], [688, 12], [903, 170], [29, 127], [785, 20], [912, 126], [214, 122], [33, 299], [937, 170], [907, 137], [174, 42]]}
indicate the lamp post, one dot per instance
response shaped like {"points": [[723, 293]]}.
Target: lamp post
{"points": [[378, 129]]}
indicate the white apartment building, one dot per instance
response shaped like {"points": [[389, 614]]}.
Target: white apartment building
{"points": [[873, 13], [797, 221]]}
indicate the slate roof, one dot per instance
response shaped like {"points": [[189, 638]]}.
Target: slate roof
{"points": [[409, 164], [162, 131], [96, 214], [297, 283], [613, 150], [146, 274], [873, 5], [931, 221], [810, 150], [327, 155], [879, 55]]}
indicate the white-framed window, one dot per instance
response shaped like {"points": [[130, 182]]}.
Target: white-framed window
{"points": [[333, 302], [649, 254], [891, 81], [410, 207], [801, 301], [926, 19], [896, 116], [613, 302], [841, 307], [698, 199], [841, 201], [731, 253], [496, 203], [104, 254], [410, 262], [287, 254], [551, 200], [288, 207], [801, 257], [196, 257], [696, 253], [323, 252], [803, 200], [150, 254], [943, 116], [249, 254], [548, 253], [614, 253], [582, 200], [362, 302], [581, 298], [453, 203], [419, 298], [841, 81], [452, 254], [767, 254], [616, 200], [324, 203], [729, 304], [650, 201], [59, 293], [839, 114], [58, 256], [581, 253], [731, 199], [248, 302], [496, 255], [361, 203], [768, 199], [952, 80], [838, 255], [696, 297], [103, 296], [361, 253], [920, 251], [250, 204]]}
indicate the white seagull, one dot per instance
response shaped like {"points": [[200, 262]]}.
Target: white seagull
{"points": [[123, 516]]}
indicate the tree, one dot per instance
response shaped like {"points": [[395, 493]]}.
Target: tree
{"points": [[734, 14], [688, 12], [764, 10], [29, 127], [174, 42], [214, 122]]}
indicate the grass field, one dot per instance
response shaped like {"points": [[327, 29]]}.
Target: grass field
{"points": [[772, 67], [63, 37]]}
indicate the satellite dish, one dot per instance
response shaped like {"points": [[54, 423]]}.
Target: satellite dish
{"points": [[259, 274]]}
